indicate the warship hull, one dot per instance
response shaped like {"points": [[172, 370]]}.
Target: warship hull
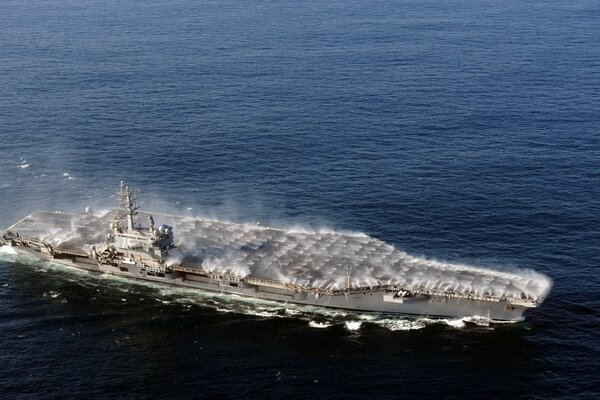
{"points": [[317, 268], [378, 300]]}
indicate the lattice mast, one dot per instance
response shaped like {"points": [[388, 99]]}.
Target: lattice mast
{"points": [[129, 203]]}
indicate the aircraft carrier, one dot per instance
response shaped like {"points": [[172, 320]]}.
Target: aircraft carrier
{"points": [[327, 269]]}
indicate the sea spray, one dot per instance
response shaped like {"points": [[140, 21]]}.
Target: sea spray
{"points": [[353, 325], [322, 259], [171, 296], [330, 260]]}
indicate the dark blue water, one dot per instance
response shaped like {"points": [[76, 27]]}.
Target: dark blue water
{"points": [[459, 130]]}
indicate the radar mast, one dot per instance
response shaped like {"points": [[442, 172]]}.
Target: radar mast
{"points": [[129, 203]]}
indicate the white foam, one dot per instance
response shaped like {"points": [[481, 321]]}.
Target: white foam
{"points": [[8, 250], [400, 324], [482, 321], [455, 323], [263, 313], [319, 325], [24, 163], [353, 325]]}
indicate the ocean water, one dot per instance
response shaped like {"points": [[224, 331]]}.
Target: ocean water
{"points": [[462, 131]]}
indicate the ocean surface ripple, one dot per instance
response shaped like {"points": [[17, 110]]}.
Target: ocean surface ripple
{"points": [[460, 132]]}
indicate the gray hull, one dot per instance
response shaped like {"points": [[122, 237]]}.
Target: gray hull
{"points": [[370, 300], [322, 269]]}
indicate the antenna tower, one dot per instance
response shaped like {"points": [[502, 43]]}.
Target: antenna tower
{"points": [[129, 203]]}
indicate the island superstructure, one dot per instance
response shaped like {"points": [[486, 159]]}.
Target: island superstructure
{"points": [[327, 269]]}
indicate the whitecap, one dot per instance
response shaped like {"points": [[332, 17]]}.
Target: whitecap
{"points": [[320, 325]]}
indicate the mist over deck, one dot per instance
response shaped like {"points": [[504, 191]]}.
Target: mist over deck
{"points": [[324, 260]]}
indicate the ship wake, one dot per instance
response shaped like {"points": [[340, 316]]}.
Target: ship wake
{"points": [[186, 299]]}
